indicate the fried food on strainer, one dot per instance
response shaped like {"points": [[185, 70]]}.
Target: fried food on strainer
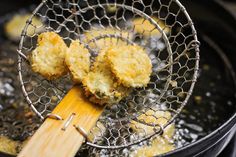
{"points": [[14, 27], [151, 117], [106, 41], [48, 59], [77, 60], [130, 64], [146, 28], [100, 84]]}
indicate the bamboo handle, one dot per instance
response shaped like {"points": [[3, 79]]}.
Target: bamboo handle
{"points": [[54, 138]]}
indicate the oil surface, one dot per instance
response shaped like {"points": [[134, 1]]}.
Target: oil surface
{"points": [[213, 100], [212, 103]]}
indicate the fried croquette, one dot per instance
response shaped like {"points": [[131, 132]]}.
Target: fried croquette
{"points": [[48, 59], [158, 146], [8, 145], [100, 85], [14, 27], [78, 61], [146, 28], [106, 41], [152, 117], [97, 132], [130, 64]]}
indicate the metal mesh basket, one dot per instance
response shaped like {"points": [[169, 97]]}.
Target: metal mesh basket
{"points": [[162, 27]]}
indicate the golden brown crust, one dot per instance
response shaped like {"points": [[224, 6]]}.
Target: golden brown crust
{"points": [[48, 59], [146, 28], [78, 61], [100, 84], [130, 64]]}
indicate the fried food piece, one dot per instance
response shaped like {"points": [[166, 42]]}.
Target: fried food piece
{"points": [[97, 132], [146, 28], [158, 146], [48, 59], [106, 41], [153, 117], [100, 85], [14, 27], [130, 64], [111, 8], [78, 61], [8, 146]]}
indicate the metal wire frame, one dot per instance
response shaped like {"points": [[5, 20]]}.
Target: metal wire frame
{"points": [[193, 45]]}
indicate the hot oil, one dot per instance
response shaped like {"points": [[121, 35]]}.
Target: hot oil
{"points": [[213, 99], [212, 103], [17, 121]]}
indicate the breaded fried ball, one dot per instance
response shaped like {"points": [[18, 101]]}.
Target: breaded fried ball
{"points": [[100, 84], [78, 61], [146, 28], [130, 64], [106, 41], [153, 118], [14, 27], [48, 59]]}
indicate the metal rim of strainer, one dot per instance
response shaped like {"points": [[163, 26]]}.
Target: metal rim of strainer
{"points": [[194, 44]]}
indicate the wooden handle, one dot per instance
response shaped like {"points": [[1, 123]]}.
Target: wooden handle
{"points": [[53, 138]]}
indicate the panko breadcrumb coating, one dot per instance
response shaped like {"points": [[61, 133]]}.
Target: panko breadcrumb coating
{"points": [[146, 28], [77, 60], [153, 117], [130, 64], [14, 27], [106, 41], [48, 59], [100, 84]]}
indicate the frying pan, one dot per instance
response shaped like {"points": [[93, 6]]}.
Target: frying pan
{"points": [[213, 143]]}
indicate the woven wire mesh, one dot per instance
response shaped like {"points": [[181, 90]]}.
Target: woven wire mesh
{"points": [[171, 44]]}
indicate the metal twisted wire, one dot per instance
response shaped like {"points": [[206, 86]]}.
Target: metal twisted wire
{"points": [[173, 49]]}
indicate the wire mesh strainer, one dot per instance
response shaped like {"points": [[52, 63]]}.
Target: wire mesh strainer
{"points": [[164, 29]]}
